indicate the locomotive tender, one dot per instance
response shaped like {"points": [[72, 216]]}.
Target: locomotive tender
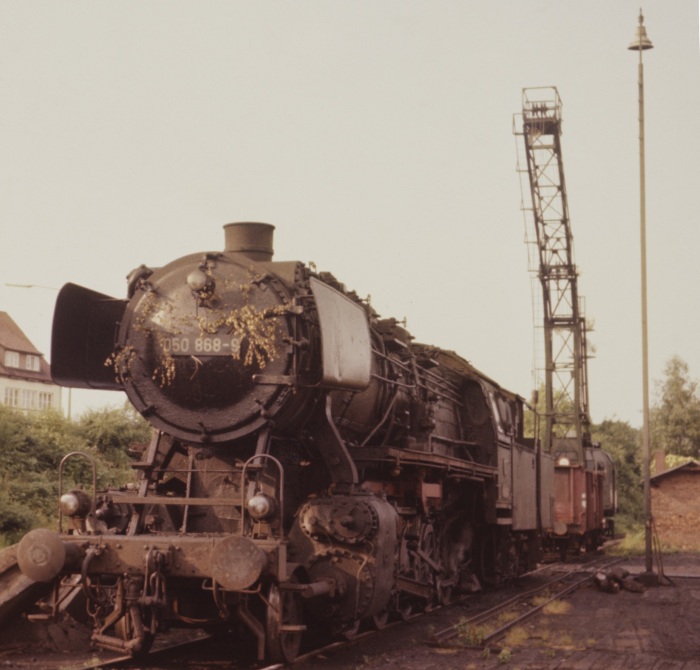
{"points": [[310, 464]]}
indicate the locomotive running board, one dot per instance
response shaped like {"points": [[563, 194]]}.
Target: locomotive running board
{"points": [[469, 469]]}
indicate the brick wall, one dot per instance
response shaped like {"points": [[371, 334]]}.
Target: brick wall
{"points": [[675, 506]]}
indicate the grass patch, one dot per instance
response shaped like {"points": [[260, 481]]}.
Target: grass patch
{"points": [[505, 656], [563, 642], [557, 607], [470, 635], [516, 637], [506, 617], [445, 651], [634, 544]]}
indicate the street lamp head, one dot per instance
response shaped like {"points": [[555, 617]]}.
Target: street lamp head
{"points": [[640, 42]]}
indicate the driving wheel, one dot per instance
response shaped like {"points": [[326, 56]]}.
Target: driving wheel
{"points": [[284, 624]]}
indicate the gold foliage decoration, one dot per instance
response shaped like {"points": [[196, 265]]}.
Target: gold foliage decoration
{"points": [[250, 324], [121, 360], [158, 322]]}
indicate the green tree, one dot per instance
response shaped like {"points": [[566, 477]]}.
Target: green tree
{"points": [[622, 442], [530, 420], [670, 461], [32, 447], [15, 520], [675, 417], [113, 431]]}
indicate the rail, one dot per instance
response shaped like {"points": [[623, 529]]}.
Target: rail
{"points": [[485, 628]]}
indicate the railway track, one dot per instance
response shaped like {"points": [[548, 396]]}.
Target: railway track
{"points": [[162, 656], [569, 577], [484, 629], [152, 659]]}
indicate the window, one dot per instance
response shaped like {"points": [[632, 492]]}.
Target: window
{"points": [[12, 397], [32, 363], [45, 400], [12, 359], [29, 399]]}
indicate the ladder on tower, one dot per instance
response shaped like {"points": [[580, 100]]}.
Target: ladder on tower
{"points": [[567, 422]]}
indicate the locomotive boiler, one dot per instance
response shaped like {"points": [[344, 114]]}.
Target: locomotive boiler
{"points": [[310, 466]]}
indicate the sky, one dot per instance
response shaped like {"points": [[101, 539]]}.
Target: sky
{"points": [[377, 136]]}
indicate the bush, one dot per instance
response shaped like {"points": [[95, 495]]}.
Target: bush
{"points": [[112, 431], [15, 521], [32, 447]]}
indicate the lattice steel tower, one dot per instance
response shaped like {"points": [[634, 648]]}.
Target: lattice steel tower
{"points": [[567, 419]]}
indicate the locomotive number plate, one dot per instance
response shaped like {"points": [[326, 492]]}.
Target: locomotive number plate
{"points": [[209, 345]]}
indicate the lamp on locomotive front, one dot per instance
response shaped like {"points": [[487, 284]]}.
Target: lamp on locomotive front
{"points": [[197, 280]]}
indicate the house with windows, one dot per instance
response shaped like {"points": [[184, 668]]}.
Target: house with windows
{"points": [[25, 377]]}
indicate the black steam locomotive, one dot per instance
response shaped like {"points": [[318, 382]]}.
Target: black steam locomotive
{"points": [[310, 465]]}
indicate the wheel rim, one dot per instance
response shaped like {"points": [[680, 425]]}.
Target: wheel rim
{"points": [[427, 545], [283, 624], [445, 593], [380, 619], [351, 631], [405, 607], [427, 574]]}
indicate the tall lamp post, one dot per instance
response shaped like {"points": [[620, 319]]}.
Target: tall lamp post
{"points": [[642, 43]]}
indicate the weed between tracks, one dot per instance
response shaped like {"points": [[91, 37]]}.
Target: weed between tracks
{"points": [[516, 637], [554, 607], [470, 635], [473, 635]]}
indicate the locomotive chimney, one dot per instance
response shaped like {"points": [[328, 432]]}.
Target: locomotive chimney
{"points": [[249, 238]]}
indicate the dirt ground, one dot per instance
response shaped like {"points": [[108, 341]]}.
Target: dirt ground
{"points": [[659, 628]]}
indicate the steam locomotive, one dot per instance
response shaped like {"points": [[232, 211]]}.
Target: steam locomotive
{"points": [[311, 465]]}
